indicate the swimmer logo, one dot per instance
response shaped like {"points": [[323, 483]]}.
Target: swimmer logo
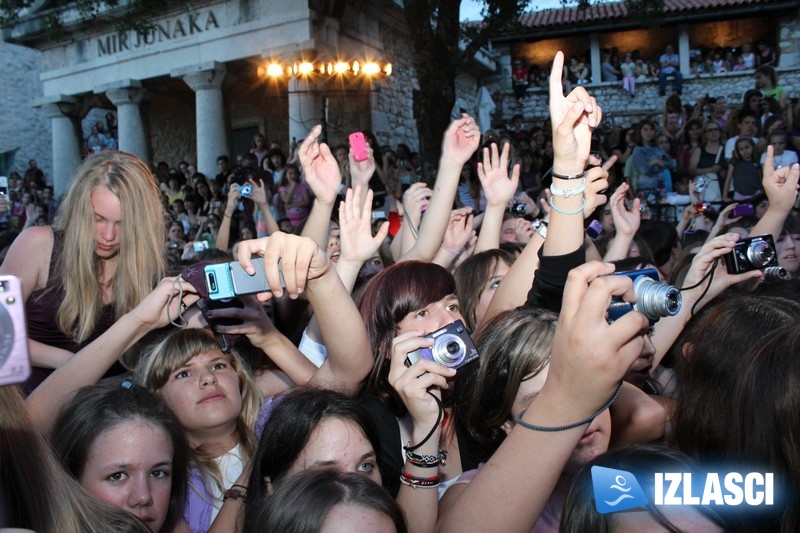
{"points": [[616, 490]]}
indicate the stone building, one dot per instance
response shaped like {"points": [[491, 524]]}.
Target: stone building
{"points": [[685, 24], [204, 79]]}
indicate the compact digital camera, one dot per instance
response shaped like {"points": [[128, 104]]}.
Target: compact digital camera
{"points": [[247, 190], [518, 209], [15, 365], [700, 184], [753, 253], [452, 347], [654, 299]]}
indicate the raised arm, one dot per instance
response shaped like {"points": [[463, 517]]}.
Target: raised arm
{"points": [[306, 270], [460, 142], [626, 223], [322, 174], [588, 361], [780, 185], [90, 364], [260, 199], [459, 232], [224, 233], [499, 189]]}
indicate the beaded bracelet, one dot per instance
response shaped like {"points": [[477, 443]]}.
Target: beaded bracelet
{"points": [[563, 212], [587, 420], [426, 461], [565, 192], [563, 177], [424, 482]]}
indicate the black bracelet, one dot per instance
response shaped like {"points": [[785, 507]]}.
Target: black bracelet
{"points": [[569, 426], [563, 177], [433, 429]]}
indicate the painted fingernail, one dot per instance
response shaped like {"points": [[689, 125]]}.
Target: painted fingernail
{"points": [[250, 270]]}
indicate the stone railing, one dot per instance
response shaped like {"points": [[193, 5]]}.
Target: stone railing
{"points": [[647, 102]]}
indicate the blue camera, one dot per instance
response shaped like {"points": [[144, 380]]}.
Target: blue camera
{"points": [[654, 299], [452, 347], [247, 190]]}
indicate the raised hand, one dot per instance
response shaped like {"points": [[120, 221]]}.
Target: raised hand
{"points": [[493, 173], [710, 256], [255, 322], [459, 230], [573, 117], [320, 167], [590, 356], [361, 171], [626, 222], [780, 184], [164, 303], [415, 201], [259, 192], [523, 230], [460, 140], [355, 228], [413, 383], [234, 193], [301, 262]]}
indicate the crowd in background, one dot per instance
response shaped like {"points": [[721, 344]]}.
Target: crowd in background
{"points": [[290, 411]]}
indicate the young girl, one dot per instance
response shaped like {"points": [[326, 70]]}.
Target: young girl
{"points": [[780, 157], [744, 172], [628, 68]]}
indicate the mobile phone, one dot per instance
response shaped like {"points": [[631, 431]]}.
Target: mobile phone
{"points": [[594, 229], [744, 210], [199, 246], [4, 185], [15, 364], [226, 280], [359, 146]]}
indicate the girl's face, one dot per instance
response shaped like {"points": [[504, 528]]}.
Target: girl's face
{"points": [[334, 250], [639, 371], [202, 190], [664, 143], [761, 80], [778, 144], [489, 288], [292, 174], [431, 317], [372, 266], [508, 231], [711, 132], [341, 445], [175, 233], [259, 141], [205, 396], [107, 221], [130, 466], [647, 132], [695, 131], [787, 252], [745, 150], [247, 234], [276, 160]]}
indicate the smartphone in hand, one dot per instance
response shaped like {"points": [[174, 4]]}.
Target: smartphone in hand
{"points": [[358, 144]]}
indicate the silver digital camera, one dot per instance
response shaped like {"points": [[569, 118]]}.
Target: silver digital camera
{"points": [[654, 299], [15, 364], [452, 347]]}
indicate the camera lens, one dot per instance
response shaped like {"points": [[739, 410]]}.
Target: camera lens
{"points": [[774, 273], [655, 299], [760, 254], [212, 282], [448, 350]]}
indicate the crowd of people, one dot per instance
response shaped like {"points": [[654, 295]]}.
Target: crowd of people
{"points": [[427, 358], [632, 67]]}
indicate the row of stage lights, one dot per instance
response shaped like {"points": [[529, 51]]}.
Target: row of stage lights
{"points": [[341, 68]]}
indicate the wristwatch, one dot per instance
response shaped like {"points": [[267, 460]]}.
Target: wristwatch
{"points": [[540, 227]]}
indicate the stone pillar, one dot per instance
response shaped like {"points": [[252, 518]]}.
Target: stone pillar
{"points": [[683, 49], [594, 46], [66, 139], [206, 81], [127, 95], [305, 107]]}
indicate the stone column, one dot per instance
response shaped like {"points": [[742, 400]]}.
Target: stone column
{"points": [[683, 49], [206, 81], [305, 107], [66, 139], [127, 95], [594, 46]]}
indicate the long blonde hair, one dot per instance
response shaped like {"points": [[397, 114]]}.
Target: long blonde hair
{"points": [[174, 351], [142, 262]]}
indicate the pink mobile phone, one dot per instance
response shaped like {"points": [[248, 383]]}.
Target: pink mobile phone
{"points": [[359, 145]]}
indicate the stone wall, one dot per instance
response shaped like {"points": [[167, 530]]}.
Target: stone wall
{"points": [[625, 110], [23, 126], [392, 99]]}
